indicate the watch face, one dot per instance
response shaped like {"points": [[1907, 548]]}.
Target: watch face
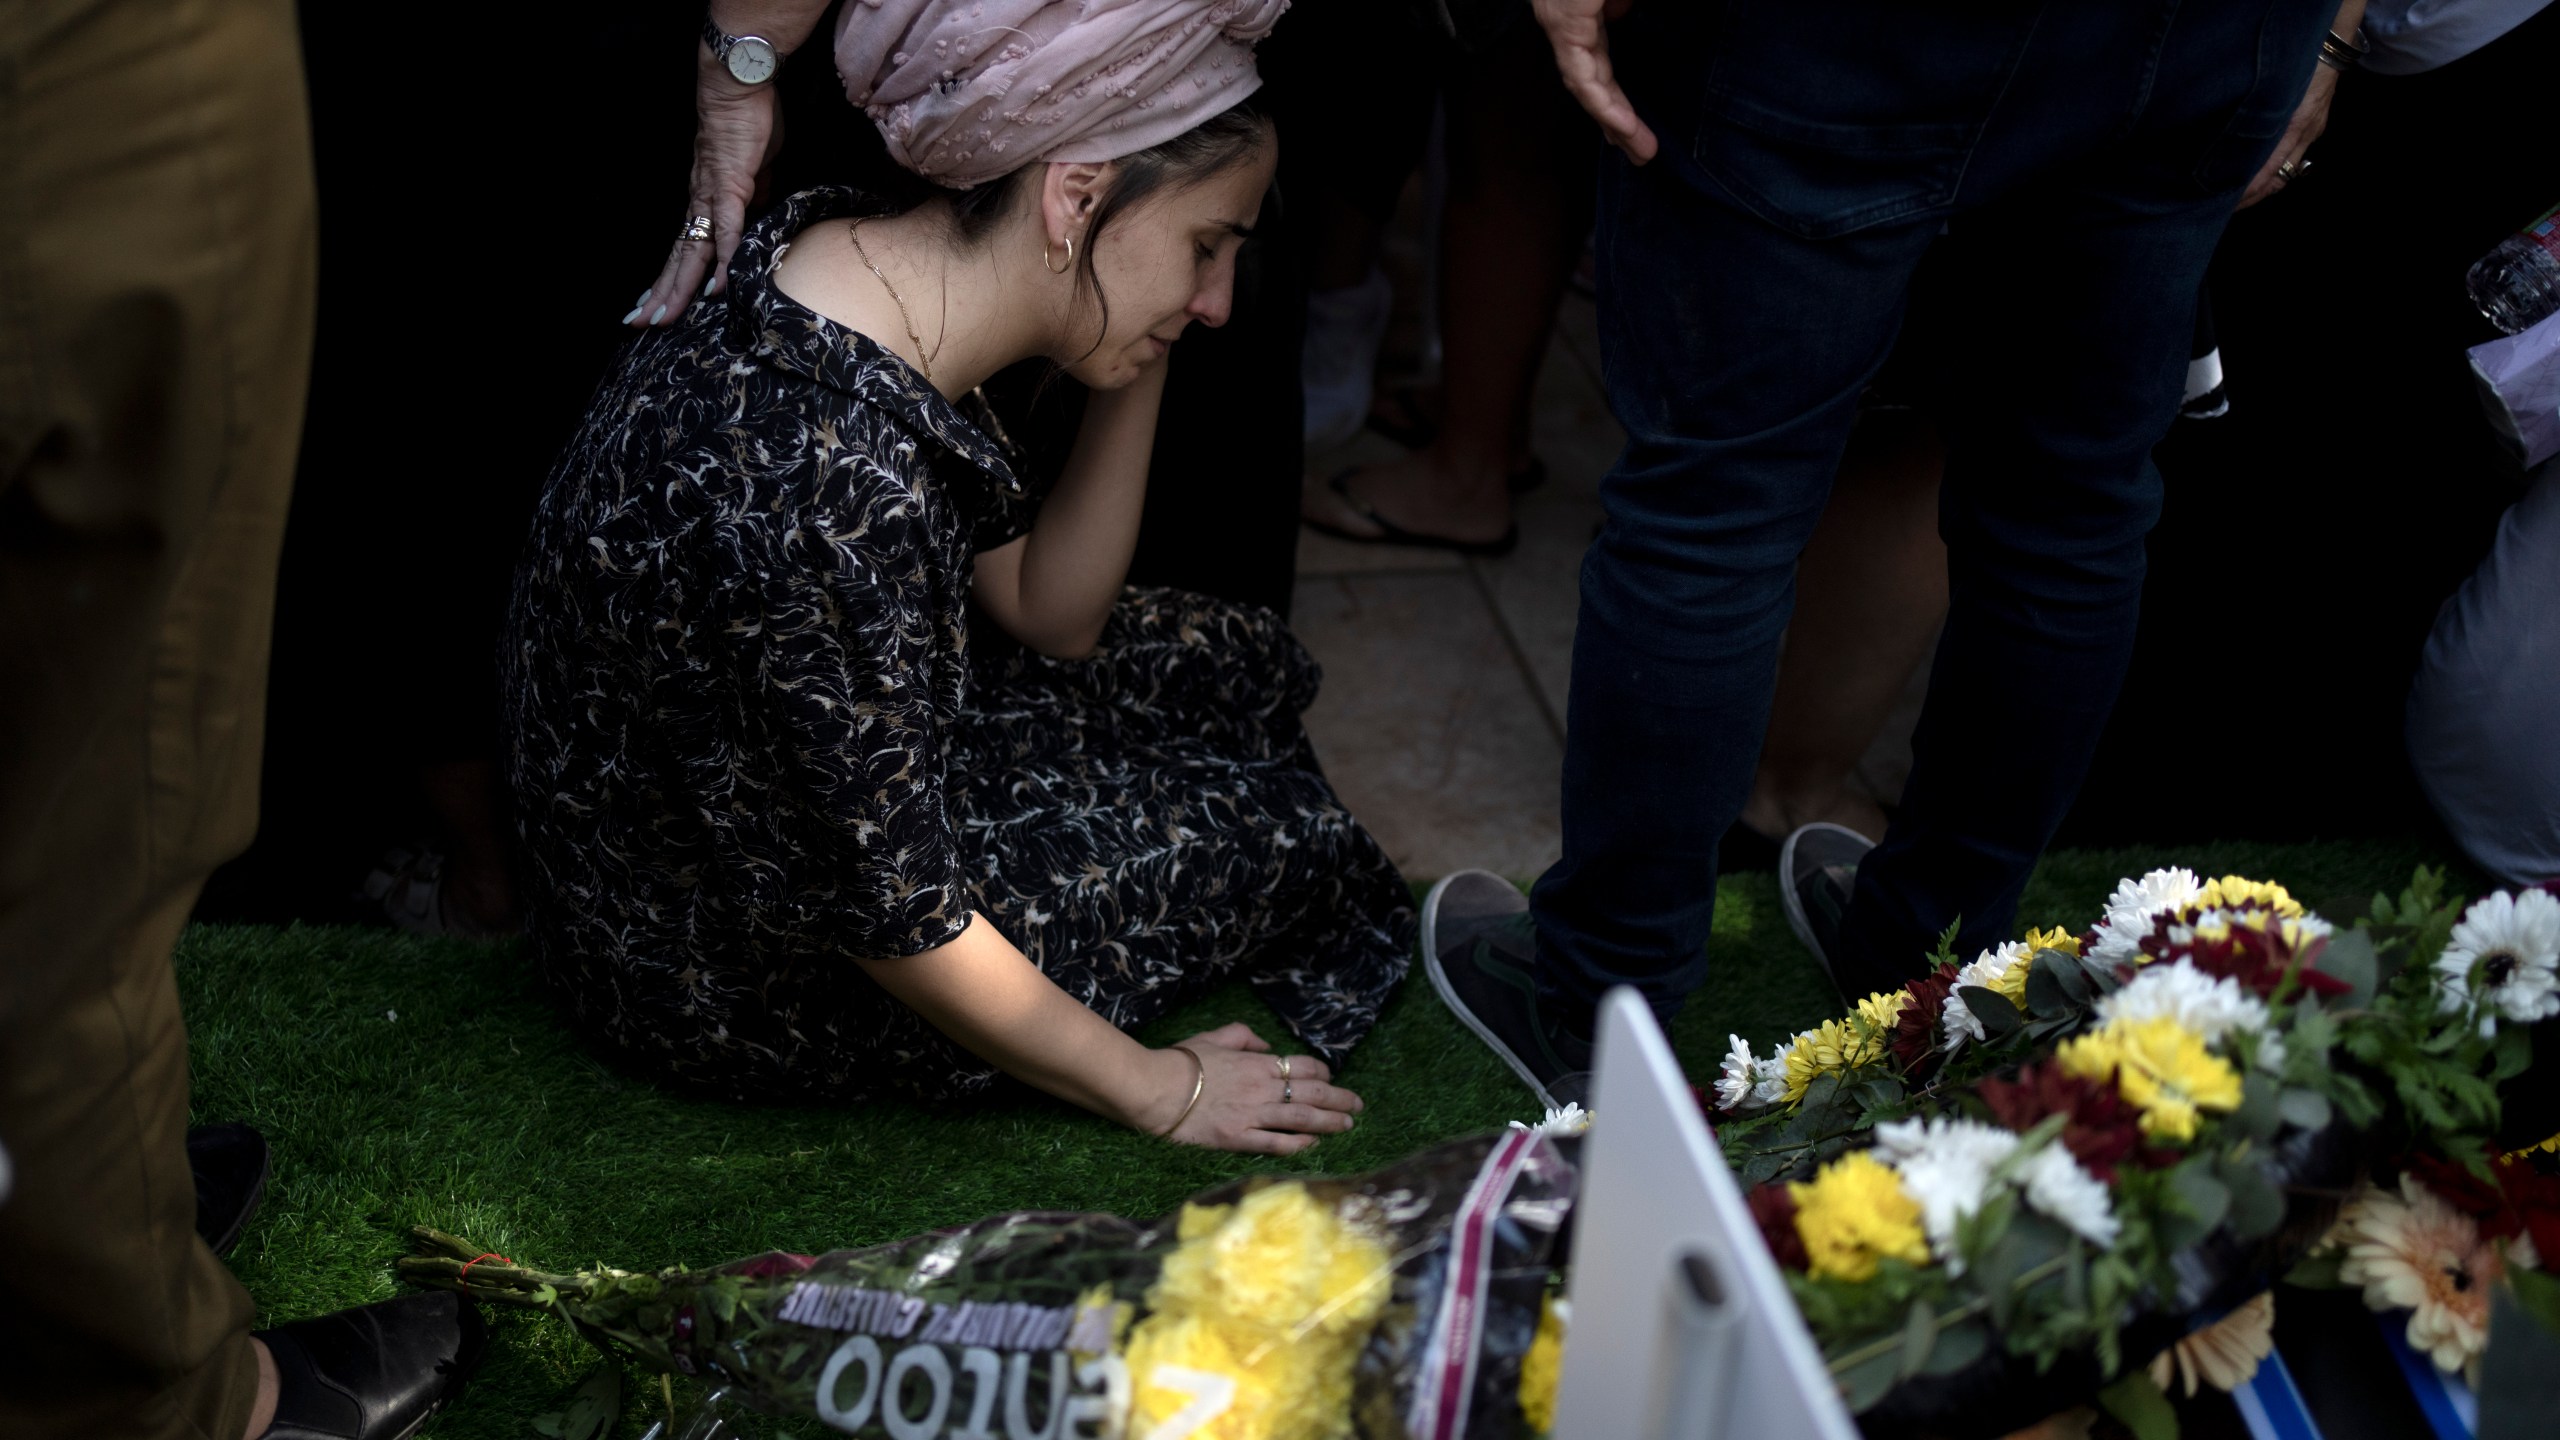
{"points": [[752, 61]]}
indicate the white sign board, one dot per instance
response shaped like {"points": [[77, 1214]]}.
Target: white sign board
{"points": [[1682, 1328]]}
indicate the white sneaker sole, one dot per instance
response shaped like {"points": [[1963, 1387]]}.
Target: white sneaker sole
{"points": [[1449, 998], [1793, 903]]}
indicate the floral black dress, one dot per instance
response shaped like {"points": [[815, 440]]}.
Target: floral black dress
{"points": [[756, 736]]}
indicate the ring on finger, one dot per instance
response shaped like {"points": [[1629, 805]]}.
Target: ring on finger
{"points": [[2291, 170], [1283, 1062], [1288, 1091], [697, 228]]}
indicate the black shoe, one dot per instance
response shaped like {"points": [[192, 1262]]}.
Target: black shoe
{"points": [[1817, 872], [230, 1162], [376, 1372], [1482, 956]]}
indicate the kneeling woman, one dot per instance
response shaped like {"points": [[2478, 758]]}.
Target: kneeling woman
{"points": [[845, 762]]}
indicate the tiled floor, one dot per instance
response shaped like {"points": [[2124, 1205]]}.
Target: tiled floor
{"points": [[1442, 716]]}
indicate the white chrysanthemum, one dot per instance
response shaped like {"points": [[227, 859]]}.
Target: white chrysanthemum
{"points": [[1569, 1121], [1956, 1020], [2057, 1185], [2132, 908], [2211, 1006], [1946, 1166], [1771, 1072], [1739, 1076], [2506, 953]]}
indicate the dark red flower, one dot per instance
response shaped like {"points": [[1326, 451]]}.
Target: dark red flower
{"points": [[2258, 959], [1773, 1209], [2520, 1199], [1915, 1030], [2102, 1132]]}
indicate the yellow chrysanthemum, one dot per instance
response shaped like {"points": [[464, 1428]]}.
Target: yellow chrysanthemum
{"points": [[1541, 1368], [1877, 1013], [1854, 1213], [2161, 1067], [2013, 981], [1832, 1047], [2233, 891], [1273, 1295], [2056, 938]]}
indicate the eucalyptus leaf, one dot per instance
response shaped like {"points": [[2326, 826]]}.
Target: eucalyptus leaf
{"points": [[2349, 956], [1958, 1346], [1999, 1018], [2258, 1116], [1869, 1381], [1919, 1334], [2318, 1272], [547, 1423], [2134, 1400], [1819, 1092], [2047, 999], [2308, 1109], [2202, 1201], [2257, 1206]]}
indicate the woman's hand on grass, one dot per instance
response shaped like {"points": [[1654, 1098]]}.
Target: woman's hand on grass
{"points": [[1240, 1106]]}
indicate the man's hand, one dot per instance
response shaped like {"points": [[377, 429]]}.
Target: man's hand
{"points": [[2309, 119], [1579, 31], [738, 132]]}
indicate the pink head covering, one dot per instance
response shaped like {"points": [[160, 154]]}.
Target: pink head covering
{"points": [[965, 91]]}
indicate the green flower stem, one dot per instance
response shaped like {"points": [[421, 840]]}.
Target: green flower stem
{"points": [[1965, 1311]]}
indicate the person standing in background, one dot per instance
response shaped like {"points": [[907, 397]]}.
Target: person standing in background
{"points": [[156, 279], [1782, 170]]}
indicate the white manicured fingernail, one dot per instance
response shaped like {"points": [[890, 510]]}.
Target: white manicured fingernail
{"points": [[643, 301], [635, 313], [710, 286], [658, 316]]}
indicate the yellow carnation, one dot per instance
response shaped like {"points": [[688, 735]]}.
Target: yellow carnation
{"points": [[2161, 1067], [1854, 1213], [1541, 1368], [1274, 1295], [2233, 891]]}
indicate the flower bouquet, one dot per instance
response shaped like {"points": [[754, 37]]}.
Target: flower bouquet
{"points": [[1998, 1190], [1395, 1304]]}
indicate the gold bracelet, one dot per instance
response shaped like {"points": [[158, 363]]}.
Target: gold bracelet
{"points": [[1199, 1085]]}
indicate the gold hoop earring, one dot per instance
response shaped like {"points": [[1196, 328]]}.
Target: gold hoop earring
{"points": [[1071, 258]]}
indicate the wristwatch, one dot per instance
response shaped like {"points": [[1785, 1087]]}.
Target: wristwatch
{"points": [[751, 59]]}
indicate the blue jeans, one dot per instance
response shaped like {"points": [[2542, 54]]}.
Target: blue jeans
{"points": [[2085, 155]]}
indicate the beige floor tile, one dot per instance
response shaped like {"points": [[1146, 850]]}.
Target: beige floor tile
{"points": [[1426, 725]]}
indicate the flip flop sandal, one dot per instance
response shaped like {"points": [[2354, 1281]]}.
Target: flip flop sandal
{"points": [[1390, 533]]}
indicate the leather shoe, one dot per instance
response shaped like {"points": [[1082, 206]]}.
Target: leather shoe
{"points": [[376, 1372], [231, 1164]]}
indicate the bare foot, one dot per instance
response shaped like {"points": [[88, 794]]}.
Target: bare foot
{"points": [[1417, 494]]}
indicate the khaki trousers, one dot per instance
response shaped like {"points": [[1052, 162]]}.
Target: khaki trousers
{"points": [[156, 276]]}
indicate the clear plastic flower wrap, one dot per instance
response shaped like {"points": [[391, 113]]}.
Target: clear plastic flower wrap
{"points": [[1395, 1305]]}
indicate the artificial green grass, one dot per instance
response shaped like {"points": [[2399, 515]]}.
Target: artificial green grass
{"points": [[405, 1081]]}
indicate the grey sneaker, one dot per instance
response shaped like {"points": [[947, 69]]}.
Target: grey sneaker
{"points": [[1482, 956], [1817, 872]]}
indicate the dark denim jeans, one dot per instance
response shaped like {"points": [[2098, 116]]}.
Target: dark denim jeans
{"points": [[2084, 155]]}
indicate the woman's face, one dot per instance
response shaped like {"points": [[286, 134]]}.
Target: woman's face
{"points": [[1164, 262]]}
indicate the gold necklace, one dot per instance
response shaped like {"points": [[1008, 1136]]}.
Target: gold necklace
{"points": [[924, 362]]}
